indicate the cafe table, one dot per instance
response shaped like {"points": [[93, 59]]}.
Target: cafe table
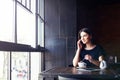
{"points": [[76, 72]]}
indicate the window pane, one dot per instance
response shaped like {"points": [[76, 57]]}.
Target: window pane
{"points": [[40, 32], [40, 7], [4, 65], [28, 4], [6, 21], [40, 22], [24, 2], [20, 65], [25, 27], [35, 65]]}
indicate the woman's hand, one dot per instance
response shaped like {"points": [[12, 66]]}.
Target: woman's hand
{"points": [[88, 57], [79, 45]]}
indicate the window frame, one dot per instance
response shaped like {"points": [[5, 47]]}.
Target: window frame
{"points": [[26, 4], [23, 47]]}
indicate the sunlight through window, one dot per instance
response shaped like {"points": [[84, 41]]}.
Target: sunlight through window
{"points": [[20, 65], [18, 26], [4, 65], [6, 21]]}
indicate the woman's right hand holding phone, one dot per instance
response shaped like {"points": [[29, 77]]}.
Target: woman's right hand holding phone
{"points": [[79, 45], [77, 55]]}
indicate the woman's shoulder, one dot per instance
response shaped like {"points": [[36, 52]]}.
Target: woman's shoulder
{"points": [[100, 49], [99, 46]]}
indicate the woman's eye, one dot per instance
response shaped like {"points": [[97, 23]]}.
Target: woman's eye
{"points": [[85, 35]]}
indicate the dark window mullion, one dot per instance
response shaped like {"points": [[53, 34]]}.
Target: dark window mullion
{"points": [[15, 20], [29, 69]]}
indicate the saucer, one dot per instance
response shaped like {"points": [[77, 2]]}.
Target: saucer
{"points": [[88, 69]]}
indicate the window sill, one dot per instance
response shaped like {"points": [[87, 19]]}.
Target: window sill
{"points": [[9, 46]]}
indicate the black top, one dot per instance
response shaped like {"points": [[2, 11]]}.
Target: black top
{"points": [[95, 53]]}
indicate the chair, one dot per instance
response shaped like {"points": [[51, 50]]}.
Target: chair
{"points": [[60, 77], [69, 77]]}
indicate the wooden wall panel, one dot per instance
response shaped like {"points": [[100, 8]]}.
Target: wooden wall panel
{"points": [[60, 32]]}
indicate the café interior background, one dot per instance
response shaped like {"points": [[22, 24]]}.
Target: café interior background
{"points": [[64, 19]]}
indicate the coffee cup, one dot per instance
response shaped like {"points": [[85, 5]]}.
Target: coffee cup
{"points": [[82, 64]]}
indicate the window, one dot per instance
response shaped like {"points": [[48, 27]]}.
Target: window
{"points": [[26, 24], [6, 21], [20, 65], [25, 27], [25, 3], [22, 22], [40, 22], [4, 69]]}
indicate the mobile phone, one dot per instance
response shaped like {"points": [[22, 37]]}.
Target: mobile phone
{"points": [[81, 42], [83, 45]]}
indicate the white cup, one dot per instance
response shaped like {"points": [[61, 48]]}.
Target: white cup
{"points": [[82, 64]]}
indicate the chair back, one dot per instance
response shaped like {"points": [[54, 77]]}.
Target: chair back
{"points": [[67, 78]]}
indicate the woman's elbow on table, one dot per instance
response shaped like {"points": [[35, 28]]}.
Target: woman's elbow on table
{"points": [[75, 63]]}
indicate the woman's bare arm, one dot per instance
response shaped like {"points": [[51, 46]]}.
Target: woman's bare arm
{"points": [[95, 62], [76, 59]]}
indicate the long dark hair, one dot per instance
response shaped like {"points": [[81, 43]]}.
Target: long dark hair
{"points": [[88, 31]]}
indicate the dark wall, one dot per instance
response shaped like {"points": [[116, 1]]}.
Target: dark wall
{"points": [[85, 13], [108, 27], [60, 32], [103, 17]]}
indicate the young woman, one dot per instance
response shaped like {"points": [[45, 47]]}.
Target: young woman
{"points": [[87, 50]]}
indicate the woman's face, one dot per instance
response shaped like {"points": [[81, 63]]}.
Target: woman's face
{"points": [[85, 37]]}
